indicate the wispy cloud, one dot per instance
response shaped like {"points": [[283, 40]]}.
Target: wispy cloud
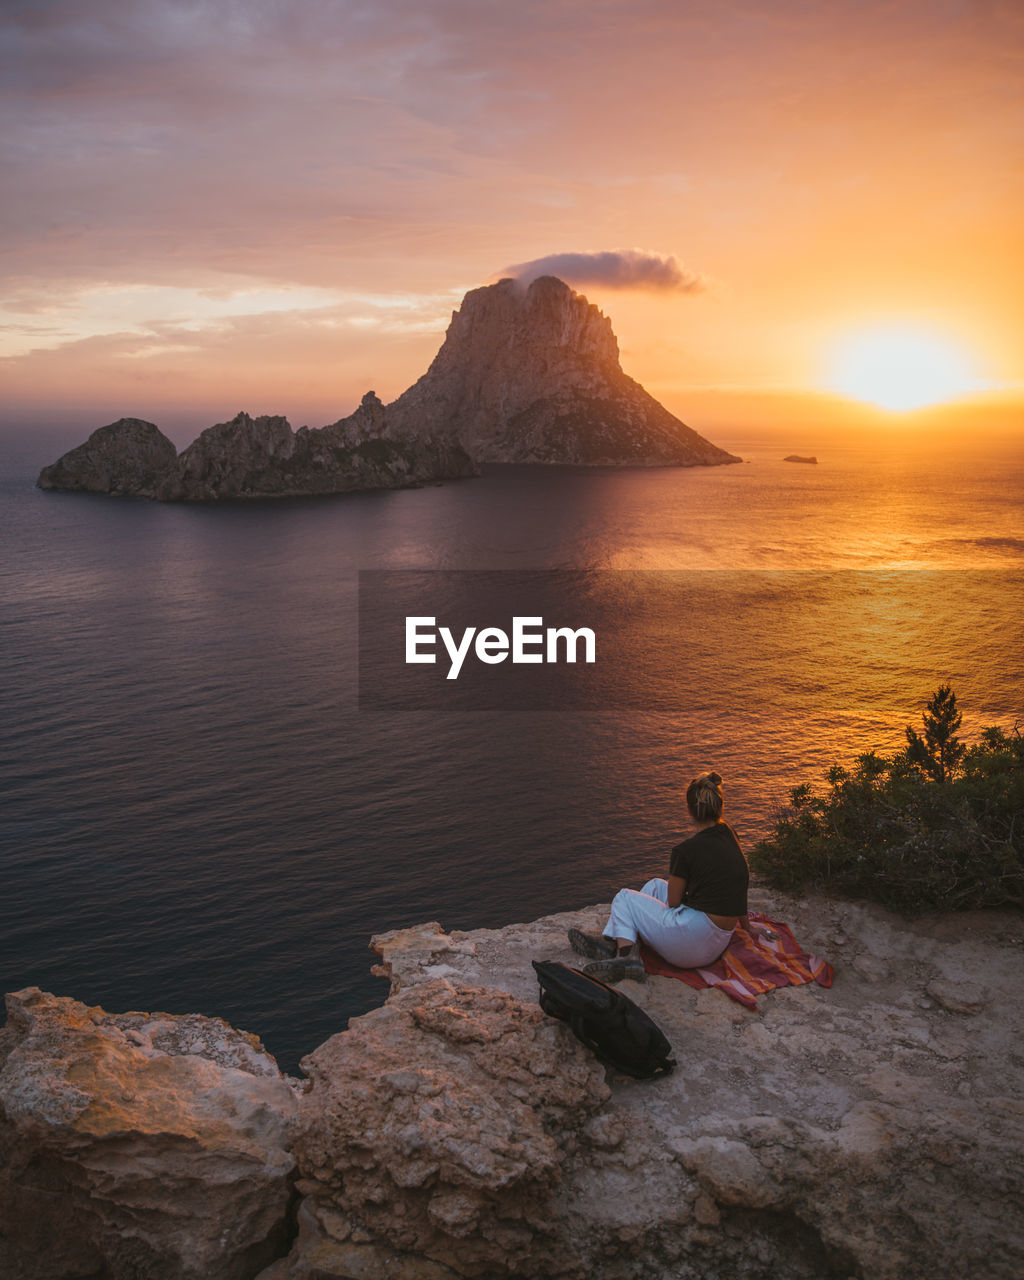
{"points": [[145, 311], [298, 168], [614, 269], [313, 363]]}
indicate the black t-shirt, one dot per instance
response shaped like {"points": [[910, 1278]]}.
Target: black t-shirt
{"points": [[715, 871]]}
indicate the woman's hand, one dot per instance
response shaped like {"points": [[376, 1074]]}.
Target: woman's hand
{"points": [[757, 930]]}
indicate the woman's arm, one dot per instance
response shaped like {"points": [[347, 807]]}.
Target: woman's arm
{"points": [[676, 890], [755, 929]]}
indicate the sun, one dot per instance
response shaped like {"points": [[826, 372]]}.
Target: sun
{"points": [[900, 369]]}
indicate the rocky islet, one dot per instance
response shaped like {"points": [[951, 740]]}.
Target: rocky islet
{"points": [[531, 374], [257, 458], [524, 375]]}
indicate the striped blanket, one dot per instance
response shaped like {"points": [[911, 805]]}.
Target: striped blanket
{"points": [[750, 966]]}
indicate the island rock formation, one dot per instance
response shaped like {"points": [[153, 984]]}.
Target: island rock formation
{"points": [[871, 1131], [796, 457], [532, 375], [524, 375], [258, 458], [127, 457]]}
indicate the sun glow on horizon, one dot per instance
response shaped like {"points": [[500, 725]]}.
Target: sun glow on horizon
{"points": [[901, 369]]}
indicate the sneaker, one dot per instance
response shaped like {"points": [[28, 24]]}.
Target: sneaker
{"points": [[617, 969], [594, 946]]}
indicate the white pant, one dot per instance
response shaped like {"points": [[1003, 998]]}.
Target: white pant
{"points": [[683, 936]]}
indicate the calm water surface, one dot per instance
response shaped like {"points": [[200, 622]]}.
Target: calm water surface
{"points": [[196, 815]]}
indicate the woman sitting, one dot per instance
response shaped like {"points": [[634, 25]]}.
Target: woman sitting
{"points": [[688, 918]]}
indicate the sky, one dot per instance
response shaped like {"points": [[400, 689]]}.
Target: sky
{"points": [[275, 205]]}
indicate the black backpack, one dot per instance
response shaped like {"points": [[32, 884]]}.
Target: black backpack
{"points": [[616, 1030]]}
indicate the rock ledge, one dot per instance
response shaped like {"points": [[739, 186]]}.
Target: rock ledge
{"points": [[873, 1130]]}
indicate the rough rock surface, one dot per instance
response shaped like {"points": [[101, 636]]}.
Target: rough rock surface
{"points": [[533, 375], [127, 457], [873, 1130], [263, 457], [441, 1124], [137, 1145], [258, 458]]}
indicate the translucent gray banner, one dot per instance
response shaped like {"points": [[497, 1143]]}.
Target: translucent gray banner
{"points": [[662, 641]]}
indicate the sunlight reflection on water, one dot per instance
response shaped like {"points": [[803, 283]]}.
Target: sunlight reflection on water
{"points": [[198, 816]]}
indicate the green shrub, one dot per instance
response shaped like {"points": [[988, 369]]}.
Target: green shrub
{"points": [[939, 825]]}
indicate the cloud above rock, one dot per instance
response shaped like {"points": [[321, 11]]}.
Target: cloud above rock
{"points": [[637, 269]]}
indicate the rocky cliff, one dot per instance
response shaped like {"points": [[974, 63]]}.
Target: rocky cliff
{"points": [[533, 375], [258, 458], [126, 457], [874, 1130], [141, 1145], [524, 375]]}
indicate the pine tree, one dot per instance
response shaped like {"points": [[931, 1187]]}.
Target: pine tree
{"points": [[940, 751]]}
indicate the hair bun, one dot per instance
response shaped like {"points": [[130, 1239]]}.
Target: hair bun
{"points": [[704, 797]]}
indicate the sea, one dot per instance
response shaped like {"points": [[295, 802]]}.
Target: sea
{"points": [[206, 809]]}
